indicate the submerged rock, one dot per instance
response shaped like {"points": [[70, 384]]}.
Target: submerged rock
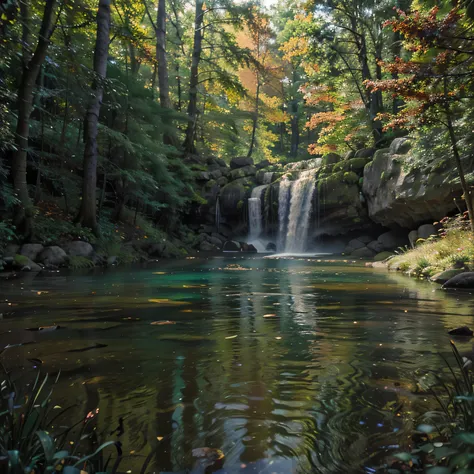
{"points": [[443, 277], [464, 281], [461, 331]]}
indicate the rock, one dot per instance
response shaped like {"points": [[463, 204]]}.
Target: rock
{"points": [[262, 164], [464, 280], [207, 247], [231, 246], [365, 153], [354, 244], [251, 248], [381, 256], [232, 198], [271, 247], [240, 162], [53, 255], [427, 230], [408, 196], [98, 260], [376, 246], [461, 331], [364, 252], [242, 172], [31, 267], [222, 181], [443, 277], [216, 174], [203, 176], [349, 155], [400, 146], [113, 260], [365, 239], [215, 241], [381, 264], [392, 240], [220, 162], [413, 237], [8, 261], [78, 248], [219, 237], [330, 159], [31, 250]]}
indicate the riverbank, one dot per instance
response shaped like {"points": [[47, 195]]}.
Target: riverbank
{"points": [[438, 258]]}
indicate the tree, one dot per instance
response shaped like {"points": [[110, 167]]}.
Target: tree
{"points": [[31, 66], [88, 209], [436, 83]]}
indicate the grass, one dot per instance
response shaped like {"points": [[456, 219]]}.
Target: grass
{"points": [[454, 248]]}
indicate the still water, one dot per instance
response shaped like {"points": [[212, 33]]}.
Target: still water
{"points": [[285, 365]]}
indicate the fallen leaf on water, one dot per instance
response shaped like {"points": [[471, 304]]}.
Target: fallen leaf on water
{"points": [[212, 454], [159, 438], [269, 315], [167, 301], [159, 273], [186, 310], [231, 337], [162, 323], [278, 338]]}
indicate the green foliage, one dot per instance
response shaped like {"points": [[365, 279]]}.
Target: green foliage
{"points": [[7, 234], [76, 262], [51, 230], [20, 260]]}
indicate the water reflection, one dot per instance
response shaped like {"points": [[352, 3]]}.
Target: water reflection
{"points": [[284, 365]]}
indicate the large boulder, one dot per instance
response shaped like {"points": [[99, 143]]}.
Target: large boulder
{"points": [[331, 159], [31, 251], [231, 246], [262, 164], [78, 248], [427, 230], [54, 256], [376, 246], [354, 244], [400, 146], [381, 256], [364, 252], [240, 162], [207, 247], [446, 275], [232, 197], [413, 237], [400, 193], [365, 153], [463, 281], [392, 240], [11, 250], [242, 172]]}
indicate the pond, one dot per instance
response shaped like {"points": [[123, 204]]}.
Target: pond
{"points": [[285, 365]]}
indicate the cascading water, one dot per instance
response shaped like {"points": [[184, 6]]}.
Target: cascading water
{"points": [[267, 177], [255, 213], [300, 211], [284, 194]]}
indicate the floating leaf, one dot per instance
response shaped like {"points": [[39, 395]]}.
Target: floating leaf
{"points": [[403, 456], [231, 337], [269, 315], [162, 323]]}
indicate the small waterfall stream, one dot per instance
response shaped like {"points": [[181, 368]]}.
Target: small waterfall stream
{"points": [[300, 212], [255, 213], [284, 194]]}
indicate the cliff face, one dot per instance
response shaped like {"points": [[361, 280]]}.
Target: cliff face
{"points": [[399, 195], [362, 191]]}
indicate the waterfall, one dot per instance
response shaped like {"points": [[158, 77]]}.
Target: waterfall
{"points": [[284, 193], [255, 213], [300, 211], [218, 214]]}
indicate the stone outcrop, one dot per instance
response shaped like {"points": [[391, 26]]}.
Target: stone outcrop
{"points": [[399, 193]]}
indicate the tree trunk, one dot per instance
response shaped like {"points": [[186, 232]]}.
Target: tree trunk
{"points": [[295, 135], [87, 213], [467, 195], [30, 71], [189, 142], [255, 119], [162, 60]]}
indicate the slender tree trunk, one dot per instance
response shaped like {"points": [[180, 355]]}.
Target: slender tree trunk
{"points": [[255, 118], [87, 213], [189, 142], [467, 195], [161, 58], [295, 135], [30, 70], [178, 78]]}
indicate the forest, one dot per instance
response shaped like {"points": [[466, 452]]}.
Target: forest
{"points": [[108, 109]]}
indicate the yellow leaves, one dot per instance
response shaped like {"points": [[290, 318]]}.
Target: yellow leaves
{"points": [[295, 47]]}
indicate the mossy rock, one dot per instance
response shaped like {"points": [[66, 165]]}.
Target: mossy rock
{"points": [[20, 260], [341, 166], [326, 169], [357, 164], [331, 159], [351, 178]]}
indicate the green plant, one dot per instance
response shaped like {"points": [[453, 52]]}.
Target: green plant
{"points": [[33, 438], [7, 233], [77, 262]]}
